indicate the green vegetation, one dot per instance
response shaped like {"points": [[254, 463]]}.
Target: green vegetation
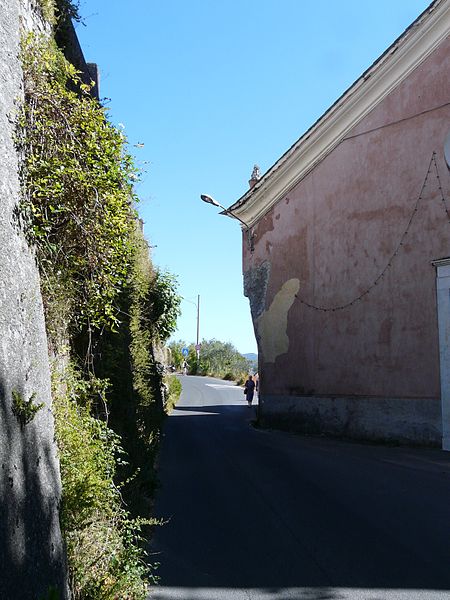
{"points": [[217, 359], [138, 394], [54, 10], [24, 410], [102, 541], [52, 594], [108, 312], [174, 391], [77, 184]]}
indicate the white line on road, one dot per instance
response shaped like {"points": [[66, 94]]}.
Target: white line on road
{"points": [[221, 386]]}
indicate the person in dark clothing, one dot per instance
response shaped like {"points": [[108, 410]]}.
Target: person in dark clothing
{"points": [[249, 389]]}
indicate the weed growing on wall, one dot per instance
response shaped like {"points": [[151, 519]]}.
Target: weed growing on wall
{"points": [[25, 410]]}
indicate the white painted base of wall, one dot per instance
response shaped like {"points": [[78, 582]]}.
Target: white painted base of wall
{"points": [[403, 420]]}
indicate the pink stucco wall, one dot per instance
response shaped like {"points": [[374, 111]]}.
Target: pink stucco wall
{"points": [[335, 232]]}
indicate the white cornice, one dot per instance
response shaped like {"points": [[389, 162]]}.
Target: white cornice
{"points": [[412, 48]]}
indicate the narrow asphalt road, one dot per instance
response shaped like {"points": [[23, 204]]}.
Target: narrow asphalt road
{"points": [[256, 514]]}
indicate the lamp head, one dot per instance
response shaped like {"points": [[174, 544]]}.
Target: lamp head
{"points": [[209, 200]]}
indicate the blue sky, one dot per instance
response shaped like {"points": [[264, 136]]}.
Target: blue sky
{"points": [[211, 88]]}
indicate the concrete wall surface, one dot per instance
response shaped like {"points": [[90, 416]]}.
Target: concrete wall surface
{"points": [[406, 420], [32, 557], [327, 324]]}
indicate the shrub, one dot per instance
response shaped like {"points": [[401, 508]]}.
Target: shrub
{"points": [[103, 543], [174, 391]]}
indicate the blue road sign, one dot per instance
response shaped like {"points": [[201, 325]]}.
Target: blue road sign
{"points": [[185, 351]]}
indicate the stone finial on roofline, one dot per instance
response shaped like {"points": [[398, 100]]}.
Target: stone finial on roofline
{"points": [[255, 177]]}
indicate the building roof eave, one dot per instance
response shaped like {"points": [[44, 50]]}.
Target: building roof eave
{"points": [[392, 67]]}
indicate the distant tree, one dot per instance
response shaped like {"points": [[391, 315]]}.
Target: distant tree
{"points": [[177, 357], [218, 359], [221, 359]]}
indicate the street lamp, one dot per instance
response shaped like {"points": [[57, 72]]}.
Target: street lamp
{"points": [[228, 212]]}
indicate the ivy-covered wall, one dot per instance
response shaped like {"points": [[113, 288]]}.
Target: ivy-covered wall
{"points": [[77, 285], [31, 549]]}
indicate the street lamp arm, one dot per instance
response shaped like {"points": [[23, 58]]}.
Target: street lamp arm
{"points": [[190, 301], [229, 213], [226, 211]]}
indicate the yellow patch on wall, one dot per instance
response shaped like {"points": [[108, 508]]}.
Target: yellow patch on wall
{"points": [[272, 324]]}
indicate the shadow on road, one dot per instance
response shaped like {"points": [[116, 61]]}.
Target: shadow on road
{"points": [[291, 517]]}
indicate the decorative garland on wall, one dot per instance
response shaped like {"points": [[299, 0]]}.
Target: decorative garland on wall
{"points": [[396, 251]]}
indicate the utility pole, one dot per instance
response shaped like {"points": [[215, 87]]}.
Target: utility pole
{"points": [[197, 346]]}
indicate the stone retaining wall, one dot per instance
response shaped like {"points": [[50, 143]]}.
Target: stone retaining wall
{"points": [[32, 557]]}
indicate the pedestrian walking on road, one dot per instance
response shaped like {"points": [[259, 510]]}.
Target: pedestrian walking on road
{"points": [[185, 367], [249, 389]]}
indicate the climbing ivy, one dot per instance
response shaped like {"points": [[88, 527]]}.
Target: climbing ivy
{"points": [[77, 187]]}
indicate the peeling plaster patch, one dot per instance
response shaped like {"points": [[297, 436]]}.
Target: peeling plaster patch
{"points": [[272, 325], [265, 225], [256, 280]]}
